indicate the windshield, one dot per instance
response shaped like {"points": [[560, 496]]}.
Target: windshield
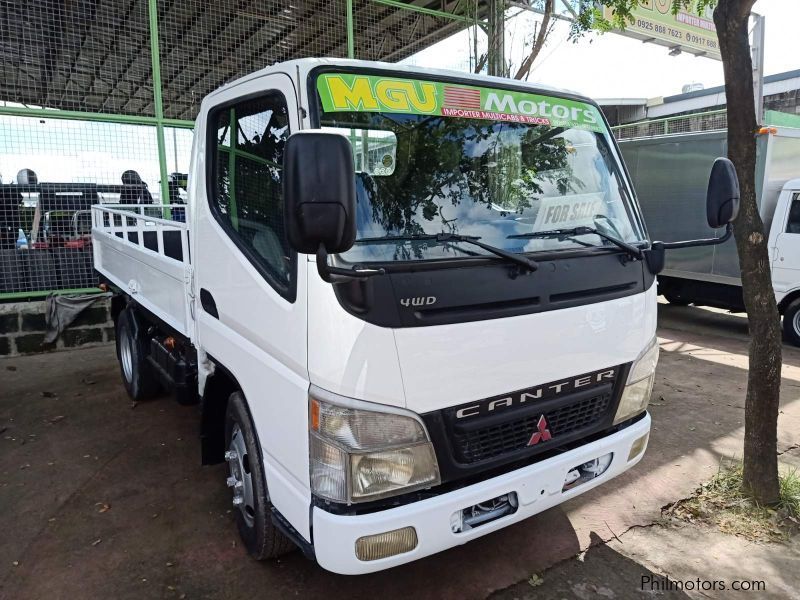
{"points": [[438, 158]]}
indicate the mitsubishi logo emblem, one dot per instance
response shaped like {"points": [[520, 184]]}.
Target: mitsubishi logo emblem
{"points": [[542, 433]]}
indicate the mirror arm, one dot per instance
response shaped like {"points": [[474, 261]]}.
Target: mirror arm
{"points": [[705, 242], [336, 275]]}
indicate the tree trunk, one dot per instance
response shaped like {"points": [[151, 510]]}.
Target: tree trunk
{"points": [[764, 375], [538, 43], [496, 34]]}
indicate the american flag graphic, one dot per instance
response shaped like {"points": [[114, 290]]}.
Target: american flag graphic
{"points": [[456, 97]]}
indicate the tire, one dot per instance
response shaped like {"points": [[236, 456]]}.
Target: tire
{"points": [[140, 381], [791, 323], [248, 483], [675, 298]]}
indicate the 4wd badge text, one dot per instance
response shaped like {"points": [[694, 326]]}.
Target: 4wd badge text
{"points": [[418, 301]]}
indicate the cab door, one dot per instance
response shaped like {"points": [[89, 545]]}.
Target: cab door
{"points": [[786, 253], [250, 287]]}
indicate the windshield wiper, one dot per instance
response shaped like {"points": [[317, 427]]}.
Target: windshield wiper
{"points": [[564, 233], [454, 237]]}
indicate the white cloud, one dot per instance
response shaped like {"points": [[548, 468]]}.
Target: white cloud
{"points": [[612, 66]]}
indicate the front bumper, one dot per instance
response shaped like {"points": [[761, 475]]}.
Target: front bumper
{"points": [[538, 487]]}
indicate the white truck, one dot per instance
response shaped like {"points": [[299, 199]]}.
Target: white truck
{"points": [[668, 173], [414, 306]]}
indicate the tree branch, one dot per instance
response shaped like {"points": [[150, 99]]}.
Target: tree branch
{"points": [[481, 62], [733, 12], [538, 44]]}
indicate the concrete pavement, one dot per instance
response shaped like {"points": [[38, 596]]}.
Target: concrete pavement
{"points": [[98, 499]]}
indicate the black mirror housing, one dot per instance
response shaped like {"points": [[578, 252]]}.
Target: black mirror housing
{"points": [[319, 192], [655, 257], [722, 197]]}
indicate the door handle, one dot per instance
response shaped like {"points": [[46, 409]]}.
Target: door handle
{"points": [[208, 303]]}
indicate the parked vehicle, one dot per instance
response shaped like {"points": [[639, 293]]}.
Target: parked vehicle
{"points": [[67, 228], [668, 174], [414, 306]]}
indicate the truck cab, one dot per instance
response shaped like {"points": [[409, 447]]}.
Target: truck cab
{"points": [[414, 306], [784, 254]]}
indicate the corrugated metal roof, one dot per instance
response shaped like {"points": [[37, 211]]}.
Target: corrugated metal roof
{"points": [[94, 55], [721, 88]]}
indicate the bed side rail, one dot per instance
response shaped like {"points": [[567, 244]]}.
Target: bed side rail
{"points": [[147, 226], [143, 249]]}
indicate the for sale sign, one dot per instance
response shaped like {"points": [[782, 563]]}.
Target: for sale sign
{"points": [[567, 212]]}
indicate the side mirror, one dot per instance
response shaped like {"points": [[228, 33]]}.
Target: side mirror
{"points": [[722, 198], [320, 192]]}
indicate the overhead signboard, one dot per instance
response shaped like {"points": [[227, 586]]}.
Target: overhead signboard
{"points": [[688, 30]]}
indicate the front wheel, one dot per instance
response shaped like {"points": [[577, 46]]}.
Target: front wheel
{"points": [[248, 484], [791, 323]]}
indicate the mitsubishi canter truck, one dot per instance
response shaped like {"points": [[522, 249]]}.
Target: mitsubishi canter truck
{"points": [[413, 306]]}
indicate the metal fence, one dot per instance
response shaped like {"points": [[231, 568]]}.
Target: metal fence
{"points": [[98, 97], [692, 123], [699, 122]]}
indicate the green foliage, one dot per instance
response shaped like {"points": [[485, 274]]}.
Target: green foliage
{"points": [[789, 499], [590, 13], [728, 484], [724, 502]]}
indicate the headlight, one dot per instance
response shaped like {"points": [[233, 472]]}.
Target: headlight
{"points": [[636, 394], [359, 454]]}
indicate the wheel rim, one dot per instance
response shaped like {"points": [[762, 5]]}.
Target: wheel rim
{"points": [[126, 354], [240, 479], [796, 323]]}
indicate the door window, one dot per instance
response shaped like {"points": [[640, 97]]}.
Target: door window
{"points": [[793, 222], [247, 197]]}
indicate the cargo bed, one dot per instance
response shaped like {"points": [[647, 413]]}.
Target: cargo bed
{"points": [[670, 173], [146, 256]]}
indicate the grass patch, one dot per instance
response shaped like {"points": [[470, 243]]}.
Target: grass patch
{"points": [[790, 493], [720, 502]]}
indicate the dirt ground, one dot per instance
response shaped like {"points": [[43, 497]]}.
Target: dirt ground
{"points": [[102, 499]]}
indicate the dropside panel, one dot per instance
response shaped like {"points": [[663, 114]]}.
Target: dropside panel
{"points": [[146, 257]]}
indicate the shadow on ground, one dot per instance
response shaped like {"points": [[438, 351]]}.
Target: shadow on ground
{"points": [[98, 499], [601, 572]]}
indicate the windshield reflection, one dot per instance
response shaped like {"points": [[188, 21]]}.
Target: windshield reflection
{"points": [[478, 178]]}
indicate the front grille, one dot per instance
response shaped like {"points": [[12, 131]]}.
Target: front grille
{"points": [[510, 436]]}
